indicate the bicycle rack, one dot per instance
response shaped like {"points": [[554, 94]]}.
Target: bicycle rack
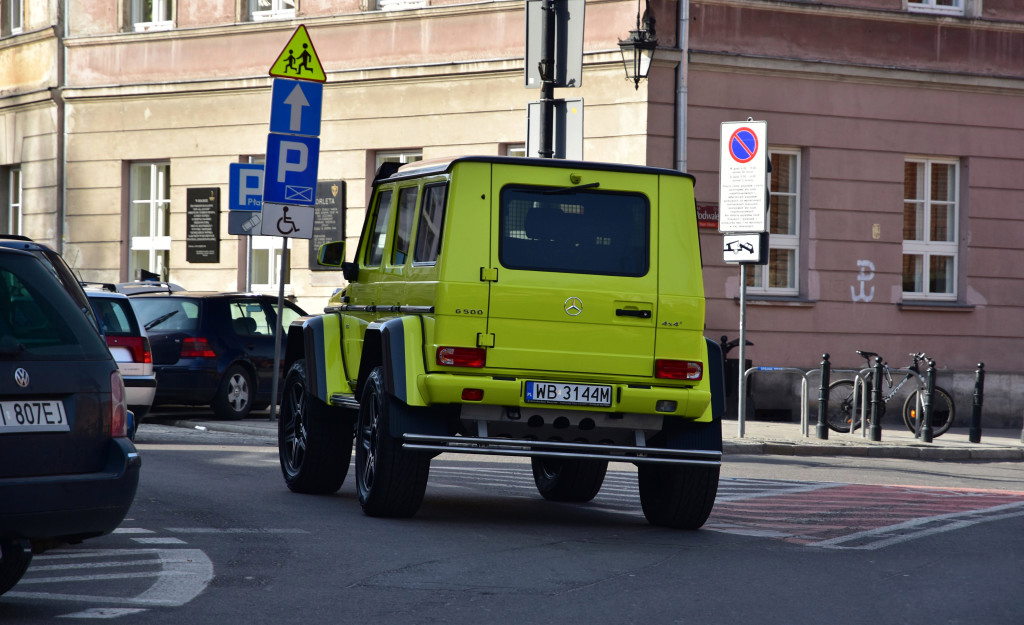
{"points": [[861, 380], [741, 418]]}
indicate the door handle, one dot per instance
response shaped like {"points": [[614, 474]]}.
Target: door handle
{"points": [[632, 312]]}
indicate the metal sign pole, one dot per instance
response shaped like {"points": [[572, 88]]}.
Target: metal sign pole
{"points": [[278, 329], [741, 405]]}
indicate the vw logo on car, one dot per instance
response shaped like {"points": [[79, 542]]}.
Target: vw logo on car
{"points": [[21, 377]]}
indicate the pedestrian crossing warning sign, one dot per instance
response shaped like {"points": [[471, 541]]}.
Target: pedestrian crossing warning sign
{"points": [[298, 60]]}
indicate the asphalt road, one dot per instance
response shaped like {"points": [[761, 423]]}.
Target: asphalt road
{"points": [[215, 537]]}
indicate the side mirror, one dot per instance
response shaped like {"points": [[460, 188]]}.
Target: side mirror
{"points": [[331, 254]]}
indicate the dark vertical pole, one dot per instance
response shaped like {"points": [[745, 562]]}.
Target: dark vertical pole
{"points": [[547, 76], [875, 430], [929, 393], [979, 393], [826, 372]]}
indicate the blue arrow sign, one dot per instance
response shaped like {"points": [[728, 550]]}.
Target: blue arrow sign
{"points": [[245, 187], [295, 107], [291, 169]]}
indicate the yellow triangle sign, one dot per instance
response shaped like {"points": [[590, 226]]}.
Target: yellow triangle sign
{"points": [[298, 60]]}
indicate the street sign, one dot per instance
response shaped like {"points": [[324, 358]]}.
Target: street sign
{"points": [[243, 222], [747, 249], [245, 186], [567, 134], [291, 169], [299, 59], [295, 107], [568, 71], [743, 187], [287, 220]]}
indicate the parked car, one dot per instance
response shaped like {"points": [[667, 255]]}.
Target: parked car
{"points": [[68, 471], [128, 343], [213, 349], [55, 263]]}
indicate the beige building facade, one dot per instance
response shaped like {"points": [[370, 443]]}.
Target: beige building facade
{"points": [[895, 127]]}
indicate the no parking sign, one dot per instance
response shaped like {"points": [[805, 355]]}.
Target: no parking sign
{"points": [[742, 184]]}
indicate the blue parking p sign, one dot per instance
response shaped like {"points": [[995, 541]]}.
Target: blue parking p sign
{"points": [[291, 169], [245, 187]]}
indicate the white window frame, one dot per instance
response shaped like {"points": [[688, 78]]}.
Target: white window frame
{"points": [[156, 242], [932, 6], [398, 156], [515, 149], [163, 8], [926, 249], [13, 18], [400, 5], [13, 200], [759, 275], [277, 11]]}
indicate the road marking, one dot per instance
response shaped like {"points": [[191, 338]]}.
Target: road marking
{"points": [[160, 540], [103, 613]]}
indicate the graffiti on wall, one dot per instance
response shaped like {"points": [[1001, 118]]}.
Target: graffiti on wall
{"points": [[865, 274]]}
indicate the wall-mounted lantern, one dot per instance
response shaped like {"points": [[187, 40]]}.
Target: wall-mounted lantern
{"points": [[638, 48]]}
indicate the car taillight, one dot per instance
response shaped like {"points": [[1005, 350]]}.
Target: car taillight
{"points": [[137, 346], [118, 407], [461, 356], [197, 347], [678, 370]]}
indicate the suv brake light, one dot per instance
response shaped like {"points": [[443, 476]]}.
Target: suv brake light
{"points": [[118, 407], [197, 347], [461, 356], [687, 370], [137, 346]]}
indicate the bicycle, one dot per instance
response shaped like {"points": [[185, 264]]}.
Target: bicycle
{"points": [[840, 415]]}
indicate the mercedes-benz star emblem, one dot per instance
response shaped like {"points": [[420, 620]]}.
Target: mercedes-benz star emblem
{"points": [[21, 377], [573, 306]]}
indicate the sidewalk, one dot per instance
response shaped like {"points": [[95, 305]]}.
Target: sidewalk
{"points": [[760, 437]]}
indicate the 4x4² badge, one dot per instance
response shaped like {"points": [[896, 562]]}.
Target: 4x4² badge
{"points": [[573, 306]]}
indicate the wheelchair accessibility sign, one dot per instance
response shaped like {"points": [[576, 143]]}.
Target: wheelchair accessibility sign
{"points": [[287, 220]]}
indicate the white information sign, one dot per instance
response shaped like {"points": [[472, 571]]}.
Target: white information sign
{"points": [[743, 248], [743, 184], [287, 220]]}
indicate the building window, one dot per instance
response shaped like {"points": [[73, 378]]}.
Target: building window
{"points": [[271, 9], [930, 227], [397, 5], [11, 12], [150, 220], [946, 7], [399, 156], [10, 194], [150, 15], [781, 276], [514, 149]]}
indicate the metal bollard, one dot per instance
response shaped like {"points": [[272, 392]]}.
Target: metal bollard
{"points": [[826, 371], [875, 429], [979, 392], [925, 422]]}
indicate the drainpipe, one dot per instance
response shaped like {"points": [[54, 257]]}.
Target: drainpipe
{"points": [[57, 95], [683, 35]]}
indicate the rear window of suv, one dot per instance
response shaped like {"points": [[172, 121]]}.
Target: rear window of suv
{"points": [[38, 320], [575, 231]]}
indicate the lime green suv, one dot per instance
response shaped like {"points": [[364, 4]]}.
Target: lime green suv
{"points": [[517, 307]]}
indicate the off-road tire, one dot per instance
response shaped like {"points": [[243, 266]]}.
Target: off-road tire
{"points": [[679, 497], [314, 440], [235, 394], [390, 480], [943, 412], [571, 480], [14, 561]]}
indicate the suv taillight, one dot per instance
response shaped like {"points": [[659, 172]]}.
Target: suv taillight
{"points": [[687, 370], [118, 406], [197, 347], [137, 346], [461, 356]]}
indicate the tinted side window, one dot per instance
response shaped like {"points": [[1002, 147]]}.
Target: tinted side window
{"points": [[585, 231], [428, 232], [248, 318], [403, 231], [378, 236], [115, 317]]}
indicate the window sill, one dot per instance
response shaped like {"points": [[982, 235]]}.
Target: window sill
{"points": [[777, 300], [935, 306]]}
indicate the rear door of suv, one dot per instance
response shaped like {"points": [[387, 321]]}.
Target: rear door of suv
{"points": [[576, 287]]}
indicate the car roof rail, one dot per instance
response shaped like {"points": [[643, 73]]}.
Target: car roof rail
{"points": [[106, 286]]}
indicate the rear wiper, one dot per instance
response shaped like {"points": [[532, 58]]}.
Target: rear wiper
{"points": [[10, 349], [162, 318], [592, 185]]}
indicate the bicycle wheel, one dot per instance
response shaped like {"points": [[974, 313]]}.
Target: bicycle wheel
{"points": [[943, 412], [839, 415]]}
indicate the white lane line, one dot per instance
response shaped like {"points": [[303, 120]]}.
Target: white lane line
{"points": [[106, 613], [165, 540]]}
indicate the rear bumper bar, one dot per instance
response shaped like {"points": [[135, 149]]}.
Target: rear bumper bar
{"points": [[560, 449]]}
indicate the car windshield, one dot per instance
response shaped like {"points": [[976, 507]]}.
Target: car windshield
{"points": [[574, 231], [38, 319], [167, 314]]}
